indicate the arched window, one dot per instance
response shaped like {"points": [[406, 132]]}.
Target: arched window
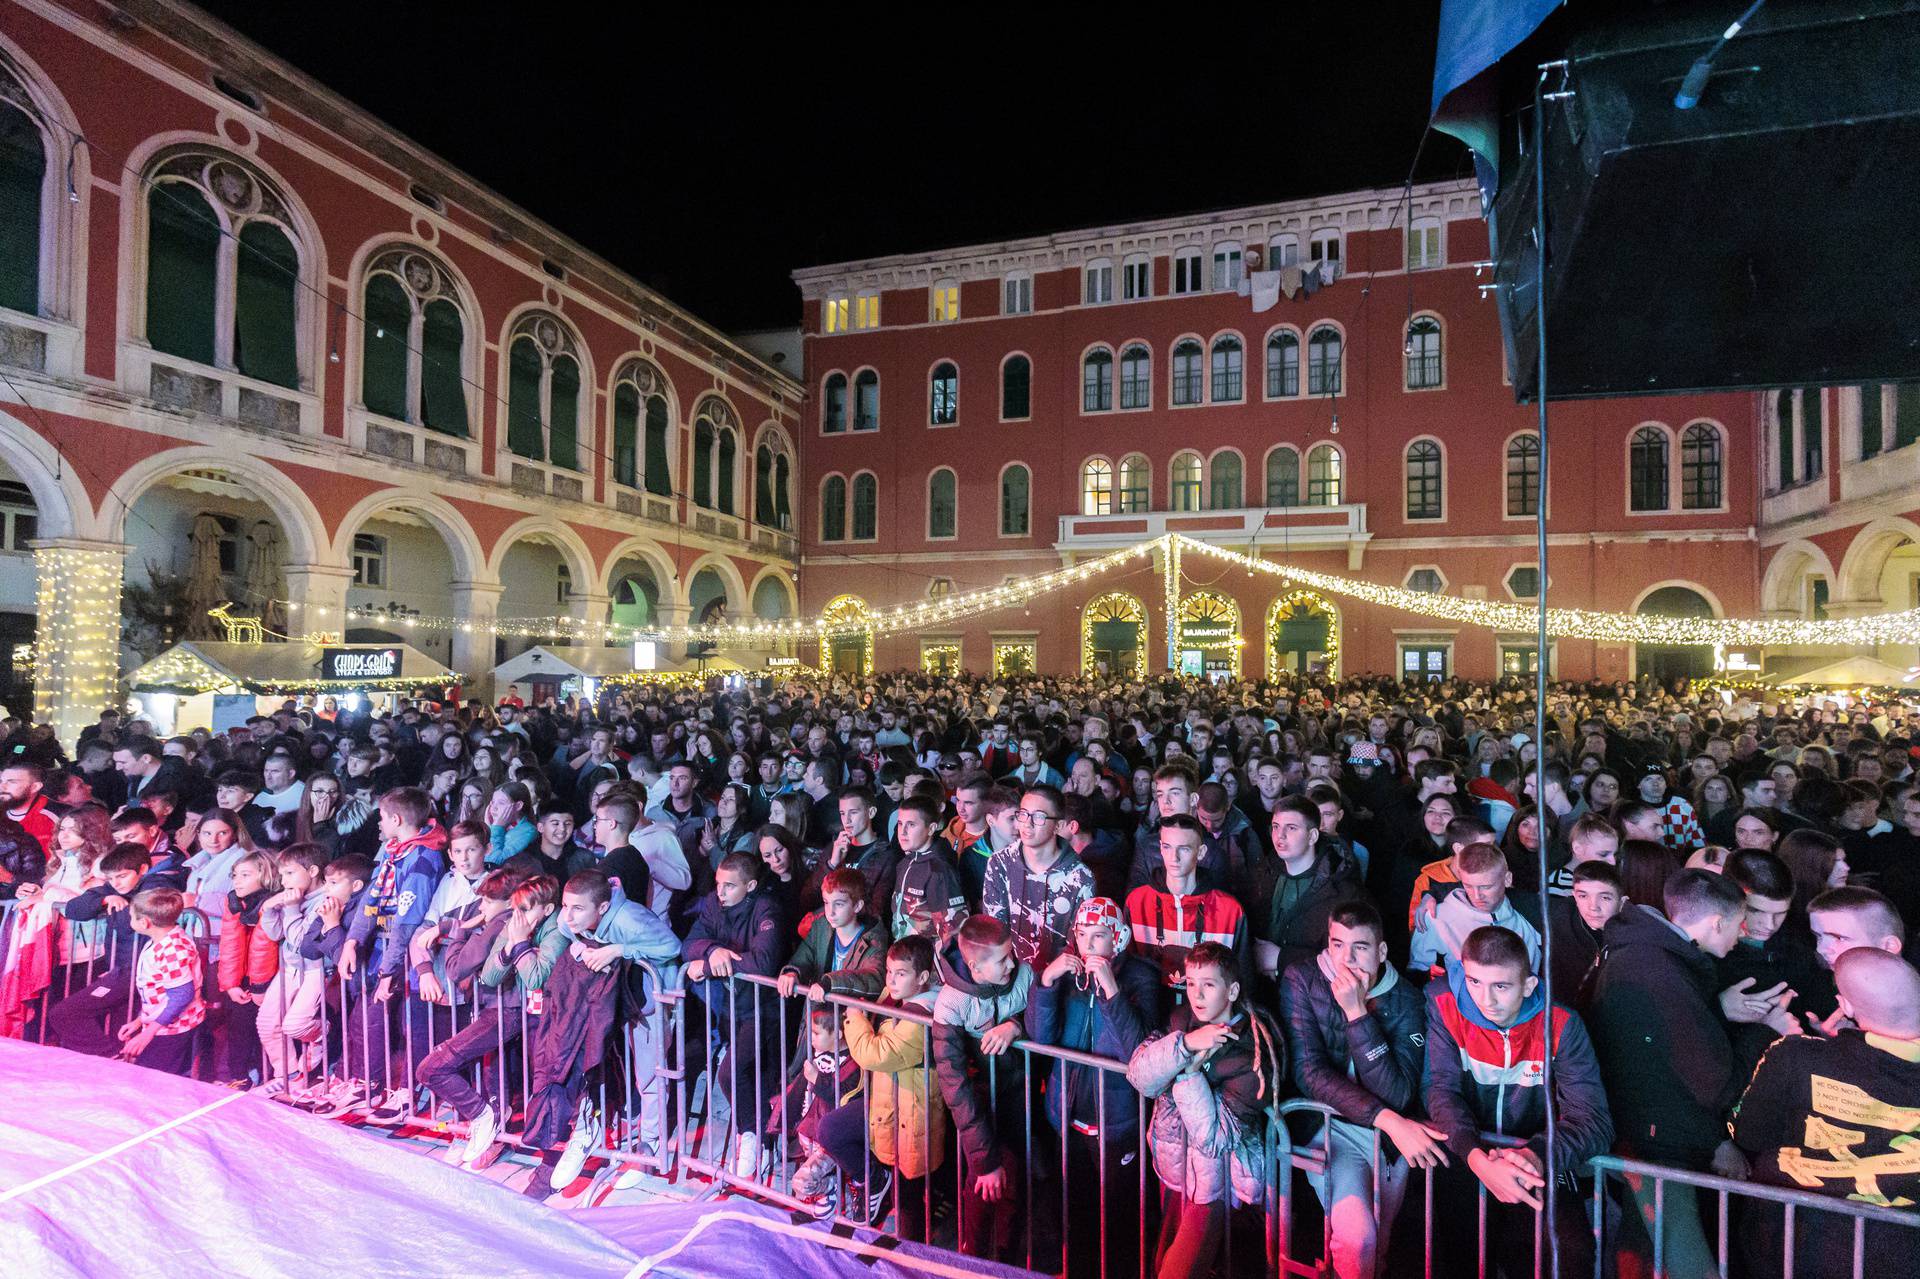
{"points": [[1015, 493], [1096, 487], [23, 172], [783, 490], [1424, 371], [1183, 483], [763, 485], [943, 503], [1136, 378], [640, 428], [1283, 477], [1700, 467], [833, 509], [1135, 493], [1225, 487], [716, 437], [1523, 475], [1323, 361], [772, 476], [1283, 365], [1228, 367], [1647, 469], [866, 400], [223, 272], [412, 361], [945, 394], [1186, 372], [1424, 500], [543, 391], [833, 404], [1323, 476], [1096, 381], [866, 507], [1016, 388]]}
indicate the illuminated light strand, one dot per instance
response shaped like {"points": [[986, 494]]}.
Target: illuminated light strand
{"points": [[1120, 601], [76, 653], [1606, 628]]}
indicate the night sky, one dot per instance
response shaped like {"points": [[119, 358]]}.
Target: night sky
{"points": [[711, 160]]}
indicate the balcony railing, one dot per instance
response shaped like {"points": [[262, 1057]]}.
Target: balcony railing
{"points": [[1297, 527]]}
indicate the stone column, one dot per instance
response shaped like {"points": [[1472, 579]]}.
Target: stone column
{"points": [[317, 599], [477, 606], [76, 646]]}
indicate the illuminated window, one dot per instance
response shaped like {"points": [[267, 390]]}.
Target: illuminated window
{"points": [[866, 311], [1096, 487], [946, 302], [1423, 244], [945, 406], [369, 560], [834, 315], [866, 400]]}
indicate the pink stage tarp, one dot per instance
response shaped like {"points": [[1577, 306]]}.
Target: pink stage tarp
{"points": [[108, 1169]]}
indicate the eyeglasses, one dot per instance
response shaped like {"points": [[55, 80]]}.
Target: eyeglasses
{"points": [[1034, 816]]}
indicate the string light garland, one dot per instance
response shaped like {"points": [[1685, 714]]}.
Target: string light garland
{"points": [[939, 659], [1578, 623], [1114, 606], [1317, 605], [76, 653]]}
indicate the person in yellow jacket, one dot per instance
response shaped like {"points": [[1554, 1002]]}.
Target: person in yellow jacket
{"points": [[902, 1128]]}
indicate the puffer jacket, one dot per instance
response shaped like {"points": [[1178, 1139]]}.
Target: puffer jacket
{"points": [[1086, 1020], [1358, 1067], [290, 925], [249, 954], [1208, 1130], [964, 1010], [906, 1120], [860, 975]]}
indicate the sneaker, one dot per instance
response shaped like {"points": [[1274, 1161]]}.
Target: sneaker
{"points": [[343, 1100], [747, 1157], [586, 1135], [270, 1088], [869, 1203], [455, 1155], [487, 1158], [391, 1110], [485, 1127], [540, 1184]]}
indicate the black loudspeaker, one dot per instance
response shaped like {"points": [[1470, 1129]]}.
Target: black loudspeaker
{"points": [[1769, 236]]}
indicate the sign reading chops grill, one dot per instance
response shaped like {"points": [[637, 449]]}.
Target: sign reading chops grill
{"points": [[359, 663]]}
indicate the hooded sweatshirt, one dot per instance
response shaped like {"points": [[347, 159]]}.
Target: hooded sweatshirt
{"points": [[641, 935], [1668, 1060], [1038, 908]]}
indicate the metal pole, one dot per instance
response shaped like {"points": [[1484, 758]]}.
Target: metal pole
{"points": [[1549, 1196]]}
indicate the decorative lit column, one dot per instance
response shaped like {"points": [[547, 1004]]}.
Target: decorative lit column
{"points": [[317, 599], [1170, 567], [76, 646], [477, 606]]}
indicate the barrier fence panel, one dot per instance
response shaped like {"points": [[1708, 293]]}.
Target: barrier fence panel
{"points": [[1083, 1199]]}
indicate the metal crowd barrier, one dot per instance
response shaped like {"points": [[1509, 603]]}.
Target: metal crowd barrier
{"points": [[694, 1132]]}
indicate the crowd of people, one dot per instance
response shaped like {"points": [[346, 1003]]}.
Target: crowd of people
{"points": [[1236, 893]]}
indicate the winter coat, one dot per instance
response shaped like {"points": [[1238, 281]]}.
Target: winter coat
{"points": [[1663, 1044], [1087, 1020], [396, 901], [1038, 909], [1487, 1078], [923, 893], [642, 937], [290, 925], [860, 974], [906, 1120], [1300, 930], [23, 856], [1165, 926], [513, 970], [249, 956], [1208, 1130], [568, 1040], [1358, 1067], [964, 1010]]}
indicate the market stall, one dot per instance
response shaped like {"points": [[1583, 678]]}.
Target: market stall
{"points": [[216, 684]]}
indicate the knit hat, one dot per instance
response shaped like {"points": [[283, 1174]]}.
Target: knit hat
{"points": [[1104, 912]]}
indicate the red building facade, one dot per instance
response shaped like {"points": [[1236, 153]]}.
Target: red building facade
{"points": [[1363, 428]]}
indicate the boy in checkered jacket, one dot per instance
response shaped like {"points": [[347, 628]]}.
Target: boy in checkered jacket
{"points": [[167, 977]]}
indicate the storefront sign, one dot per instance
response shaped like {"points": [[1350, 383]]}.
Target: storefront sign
{"points": [[783, 661], [359, 663], [1206, 636]]}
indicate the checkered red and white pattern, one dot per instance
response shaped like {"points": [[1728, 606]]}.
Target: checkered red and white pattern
{"points": [[172, 960]]}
